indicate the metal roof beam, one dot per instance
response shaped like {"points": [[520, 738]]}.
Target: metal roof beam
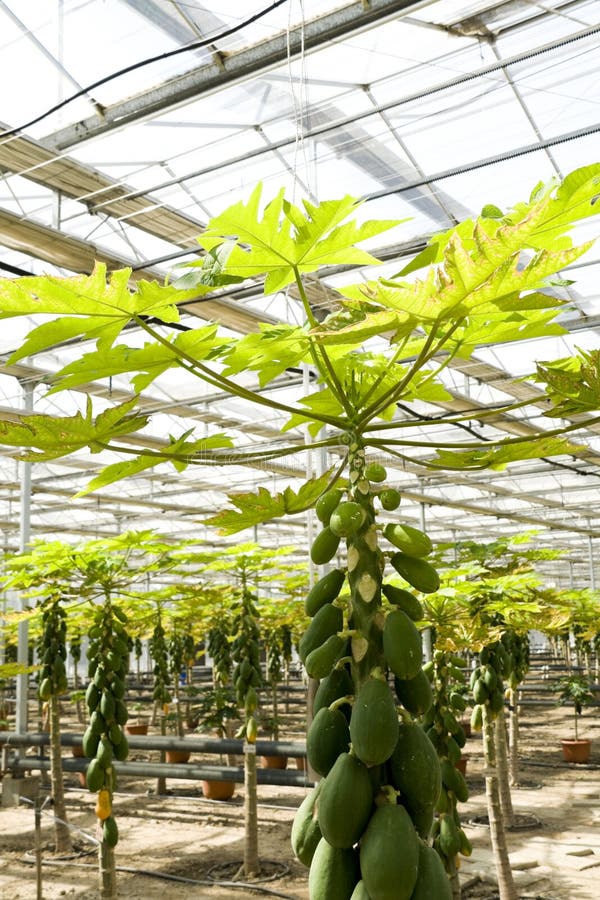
{"points": [[234, 67]]}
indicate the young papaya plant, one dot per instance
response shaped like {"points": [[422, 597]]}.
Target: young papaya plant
{"points": [[387, 341], [446, 673]]}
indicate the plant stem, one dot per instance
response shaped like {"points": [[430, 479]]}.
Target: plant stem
{"points": [[504, 874]]}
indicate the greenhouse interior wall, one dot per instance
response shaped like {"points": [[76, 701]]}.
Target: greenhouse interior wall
{"points": [[300, 449]]}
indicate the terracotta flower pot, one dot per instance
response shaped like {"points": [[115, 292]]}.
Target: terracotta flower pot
{"points": [[466, 727], [576, 751], [300, 763], [218, 790], [137, 728], [178, 756], [273, 762], [461, 765], [77, 751]]}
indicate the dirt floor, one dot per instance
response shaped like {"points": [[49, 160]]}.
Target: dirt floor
{"points": [[184, 835]]}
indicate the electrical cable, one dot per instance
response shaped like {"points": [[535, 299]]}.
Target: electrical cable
{"points": [[196, 45]]}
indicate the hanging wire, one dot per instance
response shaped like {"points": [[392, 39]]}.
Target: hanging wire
{"points": [[196, 45]]}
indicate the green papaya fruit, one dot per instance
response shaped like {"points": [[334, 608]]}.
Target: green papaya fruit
{"points": [[419, 573], [406, 601], [338, 684], [324, 591], [45, 689], [480, 692], [477, 717], [104, 753], [408, 539], [375, 472], [92, 697], [327, 737], [94, 776], [415, 770], [402, 645], [496, 701], [89, 743], [121, 714], [97, 723], [475, 675], [389, 854], [117, 688], [374, 723], [346, 519], [454, 781], [334, 873], [306, 833], [432, 881], [460, 736], [390, 499], [328, 621], [449, 836], [345, 803], [110, 832], [324, 547], [457, 701], [454, 752], [321, 661], [121, 750], [490, 679], [107, 706], [326, 504], [360, 892], [415, 694]]}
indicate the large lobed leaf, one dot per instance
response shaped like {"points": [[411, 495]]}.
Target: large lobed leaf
{"points": [[572, 384], [286, 239], [262, 506]]}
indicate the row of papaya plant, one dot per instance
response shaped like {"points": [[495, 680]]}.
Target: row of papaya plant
{"points": [[484, 282]]}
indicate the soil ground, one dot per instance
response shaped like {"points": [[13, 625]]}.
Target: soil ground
{"points": [[182, 834]]}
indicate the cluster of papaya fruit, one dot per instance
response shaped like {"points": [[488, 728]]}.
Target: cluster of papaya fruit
{"points": [[219, 647], [52, 651], [246, 656], [487, 682], [365, 829], [443, 728], [517, 647], [104, 739], [160, 655]]}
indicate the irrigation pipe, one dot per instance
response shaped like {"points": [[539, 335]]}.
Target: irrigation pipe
{"points": [[165, 876]]}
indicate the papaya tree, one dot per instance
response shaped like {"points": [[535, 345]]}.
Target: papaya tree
{"points": [[387, 341]]}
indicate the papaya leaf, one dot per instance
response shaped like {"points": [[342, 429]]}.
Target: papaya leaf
{"points": [[269, 352], [87, 306], [148, 361], [572, 384], [51, 437], [12, 669], [499, 457], [180, 452], [287, 239], [258, 508]]}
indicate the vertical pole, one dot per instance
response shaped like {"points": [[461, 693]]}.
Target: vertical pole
{"points": [[427, 644], [591, 559], [24, 533]]}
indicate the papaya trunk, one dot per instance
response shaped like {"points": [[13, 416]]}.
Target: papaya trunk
{"points": [[108, 874], [364, 577], [62, 835], [251, 862], [275, 713], [513, 723], [161, 781], [506, 885], [454, 883], [508, 814], [78, 704]]}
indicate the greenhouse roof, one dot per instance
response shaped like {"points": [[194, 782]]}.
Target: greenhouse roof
{"points": [[132, 122]]}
